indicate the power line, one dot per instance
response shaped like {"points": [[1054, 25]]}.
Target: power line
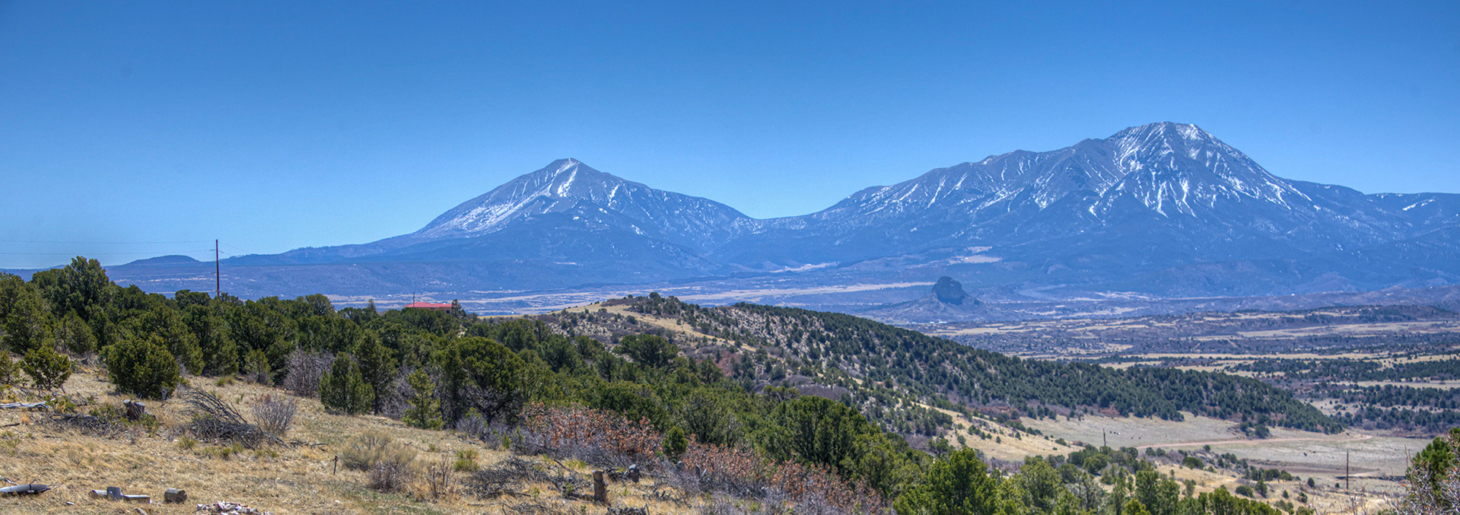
{"points": [[240, 249], [106, 242], [85, 254]]}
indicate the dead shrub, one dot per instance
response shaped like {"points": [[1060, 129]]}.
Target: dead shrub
{"points": [[741, 472], [472, 426], [215, 419], [599, 437], [275, 415], [497, 480], [440, 480], [727, 473], [304, 372], [387, 476]]}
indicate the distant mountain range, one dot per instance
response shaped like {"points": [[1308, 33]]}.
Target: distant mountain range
{"points": [[1160, 210]]}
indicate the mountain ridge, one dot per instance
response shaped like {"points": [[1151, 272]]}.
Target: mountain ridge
{"points": [[1163, 208]]}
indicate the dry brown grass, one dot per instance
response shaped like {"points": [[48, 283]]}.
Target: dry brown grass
{"points": [[295, 479]]}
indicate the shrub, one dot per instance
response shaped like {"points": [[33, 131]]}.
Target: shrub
{"points": [[472, 425], [224, 452], [275, 415], [466, 461], [344, 390], [142, 367], [425, 411], [305, 369], [46, 367], [390, 477], [675, 443], [440, 482], [363, 452], [595, 436], [256, 367], [7, 371]]}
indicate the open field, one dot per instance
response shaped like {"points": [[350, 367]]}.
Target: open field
{"points": [[1319, 332], [1375, 461]]}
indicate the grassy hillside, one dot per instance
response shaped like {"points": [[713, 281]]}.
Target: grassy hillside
{"points": [[894, 375], [815, 412]]}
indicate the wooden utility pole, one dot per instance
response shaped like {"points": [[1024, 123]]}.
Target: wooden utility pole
{"points": [[217, 273], [1345, 471]]}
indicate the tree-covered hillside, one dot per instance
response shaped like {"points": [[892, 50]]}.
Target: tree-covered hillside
{"points": [[881, 366]]}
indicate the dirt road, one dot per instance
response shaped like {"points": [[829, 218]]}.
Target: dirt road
{"points": [[1248, 442]]}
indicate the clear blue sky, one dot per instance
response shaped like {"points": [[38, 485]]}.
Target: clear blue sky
{"points": [[127, 126]]}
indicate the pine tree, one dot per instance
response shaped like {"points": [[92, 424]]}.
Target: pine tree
{"points": [[377, 367], [343, 389], [425, 410]]}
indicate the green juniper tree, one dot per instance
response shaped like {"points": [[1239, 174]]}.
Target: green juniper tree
{"points": [[425, 410], [47, 368], [958, 484], [343, 389], [142, 367]]}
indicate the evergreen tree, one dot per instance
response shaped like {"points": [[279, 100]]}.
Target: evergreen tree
{"points": [[425, 410], [47, 368], [220, 353], [167, 323], [342, 389], [75, 335], [8, 371], [675, 443], [1134, 507], [256, 367], [1432, 465], [76, 287], [26, 323], [377, 367], [648, 350], [142, 367], [958, 484]]}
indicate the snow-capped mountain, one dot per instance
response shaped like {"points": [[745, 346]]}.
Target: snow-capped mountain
{"points": [[1177, 183], [1162, 209], [567, 186]]}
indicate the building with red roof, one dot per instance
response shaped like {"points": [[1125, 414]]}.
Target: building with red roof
{"points": [[428, 305]]}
